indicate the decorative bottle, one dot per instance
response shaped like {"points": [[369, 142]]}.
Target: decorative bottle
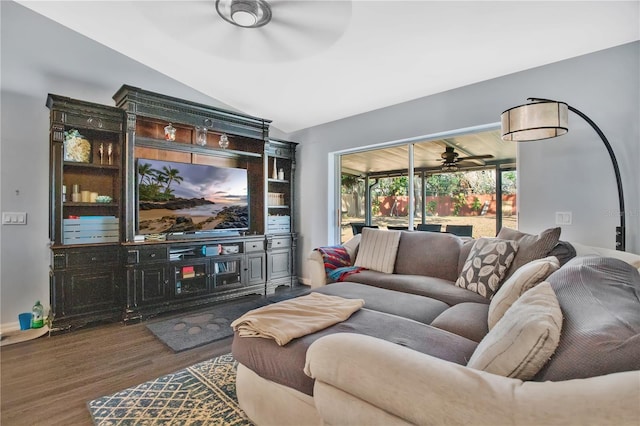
{"points": [[37, 315], [274, 174]]}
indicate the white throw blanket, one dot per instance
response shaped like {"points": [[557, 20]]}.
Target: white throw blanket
{"points": [[289, 319]]}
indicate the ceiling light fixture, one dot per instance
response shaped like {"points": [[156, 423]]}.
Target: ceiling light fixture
{"points": [[544, 119], [449, 167], [244, 13]]}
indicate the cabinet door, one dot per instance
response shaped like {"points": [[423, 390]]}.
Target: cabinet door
{"points": [[228, 272], [256, 268], [279, 264], [151, 284], [89, 291], [191, 279]]}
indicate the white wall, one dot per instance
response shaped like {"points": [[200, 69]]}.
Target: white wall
{"points": [[570, 173]]}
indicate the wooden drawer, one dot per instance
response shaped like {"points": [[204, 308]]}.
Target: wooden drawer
{"points": [[254, 246], [146, 255], [281, 243], [92, 257]]}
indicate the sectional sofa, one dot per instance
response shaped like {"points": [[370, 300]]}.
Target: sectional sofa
{"points": [[520, 329]]}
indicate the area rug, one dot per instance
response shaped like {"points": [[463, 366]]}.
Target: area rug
{"points": [[203, 394], [214, 323]]}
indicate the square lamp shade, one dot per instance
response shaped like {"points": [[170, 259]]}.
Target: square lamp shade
{"points": [[535, 121]]}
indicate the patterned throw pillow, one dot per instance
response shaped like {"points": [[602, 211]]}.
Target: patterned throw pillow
{"points": [[486, 265], [378, 249], [524, 339], [528, 276]]}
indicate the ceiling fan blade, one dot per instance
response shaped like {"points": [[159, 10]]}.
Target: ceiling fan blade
{"points": [[476, 157], [298, 29]]}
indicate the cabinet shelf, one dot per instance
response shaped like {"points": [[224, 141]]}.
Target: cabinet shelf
{"points": [[81, 204], [188, 147], [278, 207], [115, 168], [272, 180]]}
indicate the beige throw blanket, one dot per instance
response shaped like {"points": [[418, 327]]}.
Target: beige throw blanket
{"points": [[289, 319]]}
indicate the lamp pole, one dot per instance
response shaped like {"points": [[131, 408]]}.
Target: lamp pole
{"points": [[620, 230]]}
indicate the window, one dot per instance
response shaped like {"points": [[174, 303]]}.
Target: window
{"points": [[465, 183]]}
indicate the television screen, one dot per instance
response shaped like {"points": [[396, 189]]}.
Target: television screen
{"points": [[180, 197]]}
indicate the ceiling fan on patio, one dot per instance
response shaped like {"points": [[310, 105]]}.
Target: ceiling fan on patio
{"points": [[451, 160]]}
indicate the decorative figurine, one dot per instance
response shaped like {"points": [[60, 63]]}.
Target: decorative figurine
{"points": [[170, 133], [110, 152]]}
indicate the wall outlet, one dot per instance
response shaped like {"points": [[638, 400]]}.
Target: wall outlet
{"points": [[563, 218], [14, 218]]}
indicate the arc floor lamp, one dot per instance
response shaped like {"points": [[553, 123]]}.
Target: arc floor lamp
{"points": [[544, 119]]}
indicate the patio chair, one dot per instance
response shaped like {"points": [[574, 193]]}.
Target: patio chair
{"points": [[432, 227], [356, 227], [398, 228], [460, 230]]}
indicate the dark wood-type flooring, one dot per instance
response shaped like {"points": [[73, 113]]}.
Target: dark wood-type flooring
{"points": [[48, 381]]}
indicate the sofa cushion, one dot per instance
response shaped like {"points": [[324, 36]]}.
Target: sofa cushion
{"points": [[564, 251], [377, 250], [524, 338], [522, 280], [600, 300], [418, 308], [468, 319], [486, 265], [436, 288], [530, 247], [432, 254], [285, 364]]}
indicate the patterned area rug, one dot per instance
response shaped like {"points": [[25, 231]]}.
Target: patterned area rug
{"points": [[203, 394]]}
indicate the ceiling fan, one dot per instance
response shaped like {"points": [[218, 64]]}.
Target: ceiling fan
{"points": [[451, 159], [257, 31]]}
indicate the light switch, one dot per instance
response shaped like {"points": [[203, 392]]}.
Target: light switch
{"points": [[563, 218], [14, 218]]}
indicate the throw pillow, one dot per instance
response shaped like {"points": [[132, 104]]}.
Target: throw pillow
{"points": [[525, 337], [530, 247], [378, 249], [486, 265], [523, 279]]}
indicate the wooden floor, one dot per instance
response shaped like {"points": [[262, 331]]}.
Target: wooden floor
{"points": [[48, 381]]}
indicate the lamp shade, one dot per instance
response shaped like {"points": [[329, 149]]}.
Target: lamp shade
{"points": [[535, 121]]}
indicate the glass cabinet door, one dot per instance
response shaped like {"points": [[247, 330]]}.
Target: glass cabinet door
{"points": [[227, 272], [190, 278]]}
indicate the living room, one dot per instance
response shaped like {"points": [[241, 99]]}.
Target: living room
{"points": [[573, 173]]}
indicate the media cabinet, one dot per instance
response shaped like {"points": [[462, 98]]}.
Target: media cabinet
{"points": [[101, 268]]}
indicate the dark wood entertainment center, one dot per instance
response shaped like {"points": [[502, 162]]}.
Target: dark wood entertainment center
{"points": [[101, 269]]}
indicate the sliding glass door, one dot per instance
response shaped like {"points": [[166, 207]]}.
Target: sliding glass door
{"points": [[463, 184]]}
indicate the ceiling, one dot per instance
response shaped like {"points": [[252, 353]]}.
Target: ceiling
{"points": [[320, 61], [427, 155]]}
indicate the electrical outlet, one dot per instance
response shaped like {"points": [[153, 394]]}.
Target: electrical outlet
{"points": [[563, 218], [14, 218]]}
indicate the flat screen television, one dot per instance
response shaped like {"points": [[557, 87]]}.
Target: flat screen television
{"points": [[178, 197]]}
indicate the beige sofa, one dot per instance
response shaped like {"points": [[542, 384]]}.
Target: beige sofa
{"points": [[363, 379]]}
